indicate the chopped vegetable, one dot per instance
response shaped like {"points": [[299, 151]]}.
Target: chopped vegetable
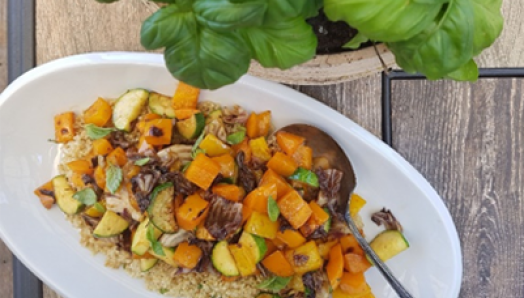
{"points": [[271, 177], [46, 194], [236, 137], [272, 209], [223, 260], [260, 149], [318, 217], [147, 264], [203, 234], [335, 266], [282, 164], [64, 127], [289, 142], [140, 243], [184, 114], [231, 192], [243, 259], [355, 204], [102, 147], [256, 245], [100, 177], [192, 212], [128, 108], [165, 254], [294, 209], [257, 199], [277, 264], [185, 97], [303, 157], [325, 247], [117, 157], [81, 167], [252, 126], [99, 113], [144, 119], [110, 225], [187, 255], [260, 225], [389, 244], [158, 131], [350, 244], [161, 209], [202, 171], [244, 147], [291, 238], [86, 196], [305, 176], [213, 146], [192, 126], [64, 196], [353, 283], [226, 162], [161, 105], [306, 258], [356, 263]]}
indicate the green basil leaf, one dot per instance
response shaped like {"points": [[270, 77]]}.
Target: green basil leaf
{"points": [[443, 47], [158, 189], [94, 132], [356, 41], [488, 23], [207, 59], [86, 196], [99, 207], [113, 178], [228, 15], [170, 25], [236, 138], [155, 245], [279, 10], [386, 21], [275, 283], [468, 72], [283, 44], [272, 209], [305, 176], [142, 161]]}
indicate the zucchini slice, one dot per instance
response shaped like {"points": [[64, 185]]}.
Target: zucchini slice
{"points": [[255, 244], [192, 127], [110, 225], [128, 108], [147, 264], [327, 224], [140, 243], [167, 257], [389, 244], [161, 209], [161, 105], [64, 196], [223, 260]]}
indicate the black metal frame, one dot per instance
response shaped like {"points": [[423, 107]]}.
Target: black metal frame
{"points": [[21, 57]]}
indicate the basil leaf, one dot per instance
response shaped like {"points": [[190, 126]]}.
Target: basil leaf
{"points": [[282, 44], [155, 245], [228, 15], [441, 48], [279, 10], [86, 196], [94, 132], [207, 59], [236, 138], [468, 72], [386, 21], [488, 22], [275, 283], [167, 26], [99, 207], [142, 161], [113, 178], [272, 209], [305, 176], [356, 41], [158, 189]]}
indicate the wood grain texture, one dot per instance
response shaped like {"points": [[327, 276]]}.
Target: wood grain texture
{"points": [[468, 141]]}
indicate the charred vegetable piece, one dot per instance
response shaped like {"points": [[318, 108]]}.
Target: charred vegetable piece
{"points": [[161, 209], [64, 196], [305, 258], [202, 171], [191, 127], [128, 108], [158, 131], [389, 244], [110, 225], [161, 105], [277, 264], [192, 212], [187, 255], [64, 127], [223, 260], [46, 194], [140, 244], [318, 218], [243, 147], [98, 113], [350, 244], [203, 234], [224, 219], [147, 264], [294, 209]]}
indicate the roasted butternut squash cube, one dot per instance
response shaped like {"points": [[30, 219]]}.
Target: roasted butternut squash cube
{"points": [[289, 142], [214, 146], [305, 258], [158, 131], [244, 260], [257, 199], [294, 209], [64, 127], [282, 164], [192, 212], [187, 255], [202, 171], [271, 177], [291, 238], [277, 264], [98, 113], [260, 149], [260, 225]]}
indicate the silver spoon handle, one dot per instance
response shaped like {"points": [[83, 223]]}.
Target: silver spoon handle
{"points": [[395, 284]]}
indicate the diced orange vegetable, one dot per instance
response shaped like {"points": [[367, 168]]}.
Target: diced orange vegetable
{"points": [[158, 131], [355, 204], [264, 123], [260, 149], [257, 199], [271, 177], [102, 147], [192, 212], [289, 142], [80, 166], [186, 97], [230, 192], [335, 266], [350, 245], [183, 114], [294, 209], [282, 164], [147, 117], [303, 157], [252, 126], [227, 165], [243, 146], [244, 260], [132, 171], [203, 234], [76, 179], [229, 278], [318, 218], [187, 255], [354, 283], [271, 247], [277, 264], [260, 225], [298, 256], [278, 243], [117, 157], [64, 127], [98, 113], [325, 247], [356, 263], [214, 146], [291, 238], [246, 213], [47, 201], [144, 146], [202, 171], [100, 177]]}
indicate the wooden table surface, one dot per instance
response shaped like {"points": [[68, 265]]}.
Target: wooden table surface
{"points": [[466, 139]]}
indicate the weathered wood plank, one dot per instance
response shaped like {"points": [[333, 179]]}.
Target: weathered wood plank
{"points": [[468, 141]]}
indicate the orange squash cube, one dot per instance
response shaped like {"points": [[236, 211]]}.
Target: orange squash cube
{"points": [[98, 113], [259, 224], [64, 127], [46, 200], [305, 258], [185, 97], [282, 164], [227, 165], [335, 266], [80, 166], [257, 199], [271, 177], [264, 123], [117, 157], [294, 209], [260, 149], [350, 245], [158, 131], [355, 204], [291, 238], [353, 283], [355, 263], [277, 264], [141, 125], [102, 147], [289, 142], [187, 255], [243, 146], [303, 157], [318, 218], [202, 171], [100, 177], [325, 247], [230, 192], [192, 212]]}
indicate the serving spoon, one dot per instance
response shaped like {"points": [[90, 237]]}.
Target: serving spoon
{"points": [[324, 145]]}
